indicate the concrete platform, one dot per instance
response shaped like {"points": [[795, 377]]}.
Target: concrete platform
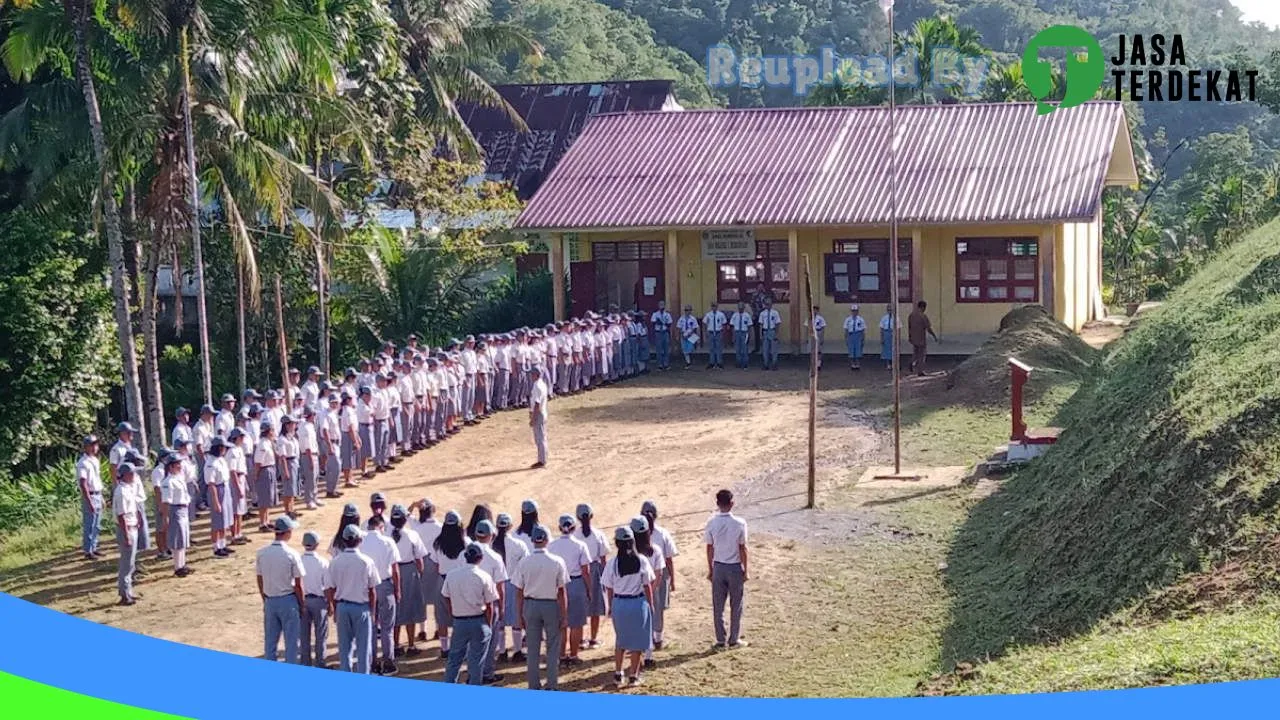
{"points": [[930, 477]]}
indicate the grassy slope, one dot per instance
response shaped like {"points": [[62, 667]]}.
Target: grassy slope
{"points": [[1168, 470]]}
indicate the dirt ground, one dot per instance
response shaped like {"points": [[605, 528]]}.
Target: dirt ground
{"points": [[676, 437]]}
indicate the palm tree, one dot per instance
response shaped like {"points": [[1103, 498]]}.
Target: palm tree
{"points": [[930, 39], [78, 15]]}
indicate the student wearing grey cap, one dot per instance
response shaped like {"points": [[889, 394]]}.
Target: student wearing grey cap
{"points": [[542, 605], [496, 568], [315, 615], [266, 488], [662, 540], [411, 609], [384, 553], [221, 503], [364, 415], [128, 515], [472, 598], [175, 498], [352, 592], [577, 558], [280, 572], [352, 445], [89, 480], [428, 529], [628, 580], [330, 441], [512, 550]]}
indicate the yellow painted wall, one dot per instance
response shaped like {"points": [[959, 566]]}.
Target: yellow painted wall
{"points": [[1074, 257]]}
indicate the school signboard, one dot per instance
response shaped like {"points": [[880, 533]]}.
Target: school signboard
{"points": [[734, 244]]}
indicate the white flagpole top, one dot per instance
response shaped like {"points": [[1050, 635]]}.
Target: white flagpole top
{"points": [[886, 6]]}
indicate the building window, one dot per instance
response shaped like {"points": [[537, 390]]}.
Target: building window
{"points": [[860, 271], [628, 250], [736, 280], [999, 270]]}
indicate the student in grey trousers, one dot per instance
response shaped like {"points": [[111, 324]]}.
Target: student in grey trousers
{"points": [[726, 540]]}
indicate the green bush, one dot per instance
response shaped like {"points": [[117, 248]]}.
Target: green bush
{"points": [[512, 302], [32, 498]]}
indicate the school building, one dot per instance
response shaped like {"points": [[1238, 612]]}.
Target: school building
{"points": [[997, 207]]}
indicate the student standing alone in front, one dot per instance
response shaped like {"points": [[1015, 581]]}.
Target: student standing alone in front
{"points": [[726, 539]]}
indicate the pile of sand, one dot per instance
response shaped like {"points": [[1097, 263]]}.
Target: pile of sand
{"points": [[1034, 337]]}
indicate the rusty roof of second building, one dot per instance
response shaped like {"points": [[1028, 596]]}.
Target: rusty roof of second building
{"points": [[964, 163], [555, 114]]}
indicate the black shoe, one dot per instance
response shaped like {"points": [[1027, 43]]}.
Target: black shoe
{"points": [[505, 657], [220, 553], [228, 551], [126, 602], [444, 655], [422, 636], [492, 680], [519, 657], [648, 663], [389, 668]]}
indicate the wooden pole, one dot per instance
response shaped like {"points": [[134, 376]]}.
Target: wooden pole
{"points": [[284, 349], [813, 385]]}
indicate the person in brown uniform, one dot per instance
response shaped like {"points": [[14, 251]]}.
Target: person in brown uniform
{"points": [[918, 327]]}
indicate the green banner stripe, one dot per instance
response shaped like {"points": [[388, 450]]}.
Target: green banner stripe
{"points": [[32, 699]]}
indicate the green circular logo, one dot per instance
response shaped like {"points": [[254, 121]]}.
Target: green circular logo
{"points": [[1084, 71]]}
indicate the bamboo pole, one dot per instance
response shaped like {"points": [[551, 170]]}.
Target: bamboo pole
{"points": [[284, 350], [813, 385]]}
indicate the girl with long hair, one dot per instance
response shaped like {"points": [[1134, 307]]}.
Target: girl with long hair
{"points": [[645, 548], [628, 581], [446, 551], [410, 609]]}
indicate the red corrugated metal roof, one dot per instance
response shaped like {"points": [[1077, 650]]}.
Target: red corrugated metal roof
{"points": [[555, 114], [964, 163]]}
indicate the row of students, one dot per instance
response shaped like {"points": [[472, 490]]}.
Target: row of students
{"points": [[484, 583]]}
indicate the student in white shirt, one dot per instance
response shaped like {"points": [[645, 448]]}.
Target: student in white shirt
{"points": [[446, 552], [308, 459], [688, 326], [265, 457], [330, 442], [495, 567], [538, 416], [411, 610], [889, 325], [661, 322], [226, 418], [542, 604], [127, 513], [381, 430], [280, 573], [351, 591], [855, 332], [512, 550], [598, 551], [222, 507], [175, 499], [385, 554], [89, 480], [577, 558], [770, 321], [665, 584], [311, 388], [428, 529], [820, 328], [315, 617], [472, 597], [628, 581], [287, 453], [181, 426], [713, 322], [726, 540], [238, 463], [364, 413]]}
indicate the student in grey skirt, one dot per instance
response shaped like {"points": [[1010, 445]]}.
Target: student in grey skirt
{"points": [[222, 509], [598, 551], [447, 554], [175, 499], [428, 529], [287, 456], [411, 610], [628, 579], [265, 484]]}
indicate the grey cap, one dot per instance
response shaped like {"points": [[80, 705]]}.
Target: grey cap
{"points": [[639, 524], [206, 410], [583, 511], [378, 498], [472, 553], [504, 520], [567, 522], [649, 507], [125, 427], [528, 506], [89, 440], [310, 539], [228, 397], [484, 528], [398, 511], [284, 523], [452, 518], [180, 412], [125, 468], [623, 533], [235, 434], [350, 510], [539, 534], [352, 532]]}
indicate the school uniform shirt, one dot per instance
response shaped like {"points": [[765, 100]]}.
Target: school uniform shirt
{"points": [[189, 471], [540, 575], [331, 430], [139, 488], [124, 502], [493, 565], [279, 565], [410, 546], [306, 440], [364, 410], [550, 348], [579, 342], [368, 379], [515, 550], [216, 470], [855, 324], [658, 560], [770, 319], [427, 532], [724, 533], [538, 396], [173, 489], [315, 577], [633, 584], [382, 550], [688, 326], [382, 404], [572, 551], [469, 361], [248, 445], [662, 539], [741, 321], [89, 472], [157, 477], [661, 320], [597, 544], [351, 576], [502, 358], [470, 590], [181, 431], [223, 422], [714, 322], [311, 394], [886, 322], [202, 435], [444, 562], [118, 451], [265, 455], [819, 323]]}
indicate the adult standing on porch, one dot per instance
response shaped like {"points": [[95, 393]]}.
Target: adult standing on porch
{"points": [[918, 331], [741, 322], [889, 325], [713, 322], [769, 322]]}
